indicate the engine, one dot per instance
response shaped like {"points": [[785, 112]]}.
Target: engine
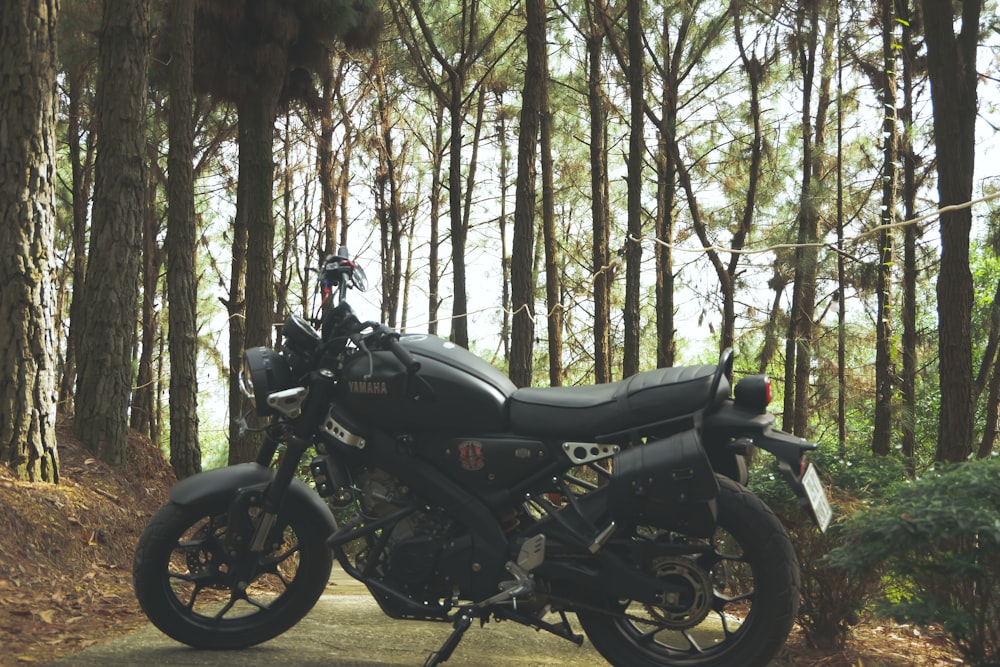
{"points": [[421, 550]]}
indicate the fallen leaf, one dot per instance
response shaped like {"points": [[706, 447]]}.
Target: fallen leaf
{"points": [[47, 616]]}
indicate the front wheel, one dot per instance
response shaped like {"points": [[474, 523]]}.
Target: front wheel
{"points": [[743, 588], [201, 585]]}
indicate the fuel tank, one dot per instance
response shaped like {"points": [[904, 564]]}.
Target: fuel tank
{"points": [[454, 392]]}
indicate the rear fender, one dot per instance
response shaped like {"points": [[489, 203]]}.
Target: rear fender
{"points": [[734, 430], [220, 484]]}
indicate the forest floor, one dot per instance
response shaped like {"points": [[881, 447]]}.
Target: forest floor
{"points": [[66, 554]]}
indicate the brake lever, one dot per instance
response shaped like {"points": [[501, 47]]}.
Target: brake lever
{"points": [[359, 341], [416, 387]]}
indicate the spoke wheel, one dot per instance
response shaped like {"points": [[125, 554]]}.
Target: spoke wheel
{"points": [[205, 588], [739, 598]]}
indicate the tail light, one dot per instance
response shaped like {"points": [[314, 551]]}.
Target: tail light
{"points": [[753, 392]]}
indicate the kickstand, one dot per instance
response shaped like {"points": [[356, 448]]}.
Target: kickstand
{"points": [[462, 622]]}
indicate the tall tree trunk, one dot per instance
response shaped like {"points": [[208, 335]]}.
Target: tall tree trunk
{"points": [[81, 163], [666, 330], [325, 155], [666, 185], [434, 242], [908, 380], [504, 175], [407, 276], [633, 249], [884, 371], [236, 309], [841, 264], [144, 394], [338, 221], [600, 215], [287, 249], [390, 207], [522, 257], [254, 204], [181, 247], [951, 63], [755, 74], [459, 299], [106, 346], [27, 228], [553, 281], [798, 343]]}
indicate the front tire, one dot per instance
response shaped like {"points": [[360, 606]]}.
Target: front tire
{"points": [[201, 588], [744, 596]]}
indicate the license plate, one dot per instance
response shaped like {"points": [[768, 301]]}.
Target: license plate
{"points": [[816, 495]]}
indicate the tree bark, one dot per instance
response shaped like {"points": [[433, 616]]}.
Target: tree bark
{"points": [[601, 255], [666, 185], [181, 247], [390, 206], [799, 341], [144, 395], [951, 62], [325, 157], [884, 371], [27, 227], [434, 277], [522, 256], [459, 298], [504, 173], [81, 157], [633, 249], [107, 342], [908, 380], [254, 204], [553, 280]]}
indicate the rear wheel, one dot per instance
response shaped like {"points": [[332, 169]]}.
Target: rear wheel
{"points": [[206, 589], [741, 595]]}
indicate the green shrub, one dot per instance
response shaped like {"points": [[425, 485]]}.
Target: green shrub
{"points": [[832, 599], [937, 543]]}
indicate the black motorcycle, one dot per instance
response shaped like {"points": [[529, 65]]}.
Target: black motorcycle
{"points": [[462, 498]]}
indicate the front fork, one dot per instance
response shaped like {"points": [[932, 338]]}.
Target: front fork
{"points": [[297, 437], [244, 529]]}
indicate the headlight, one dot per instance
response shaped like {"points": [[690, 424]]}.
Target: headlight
{"points": [[268, 372]]}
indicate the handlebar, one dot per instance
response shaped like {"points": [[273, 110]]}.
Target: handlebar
{"points": [[412, 365], [416, 386], [389, 340]]}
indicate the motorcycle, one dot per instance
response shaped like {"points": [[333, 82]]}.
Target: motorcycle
{"points": [[463, 498]]}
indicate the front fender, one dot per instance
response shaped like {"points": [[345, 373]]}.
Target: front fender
{"points": [[220, 484]]}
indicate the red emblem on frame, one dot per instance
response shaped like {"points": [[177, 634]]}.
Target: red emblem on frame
{"points": [[470, 455]]}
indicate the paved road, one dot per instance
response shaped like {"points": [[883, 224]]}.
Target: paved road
{"points": [[347, 629]]}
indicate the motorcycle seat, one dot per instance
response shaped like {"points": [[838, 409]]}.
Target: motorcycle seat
{"points": [[587, 412]]}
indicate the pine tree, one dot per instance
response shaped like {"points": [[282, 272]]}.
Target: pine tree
{"points": [[27, 223]]}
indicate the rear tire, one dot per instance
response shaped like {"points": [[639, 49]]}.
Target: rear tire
{"points": [[194, 588], [745, 594]]}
